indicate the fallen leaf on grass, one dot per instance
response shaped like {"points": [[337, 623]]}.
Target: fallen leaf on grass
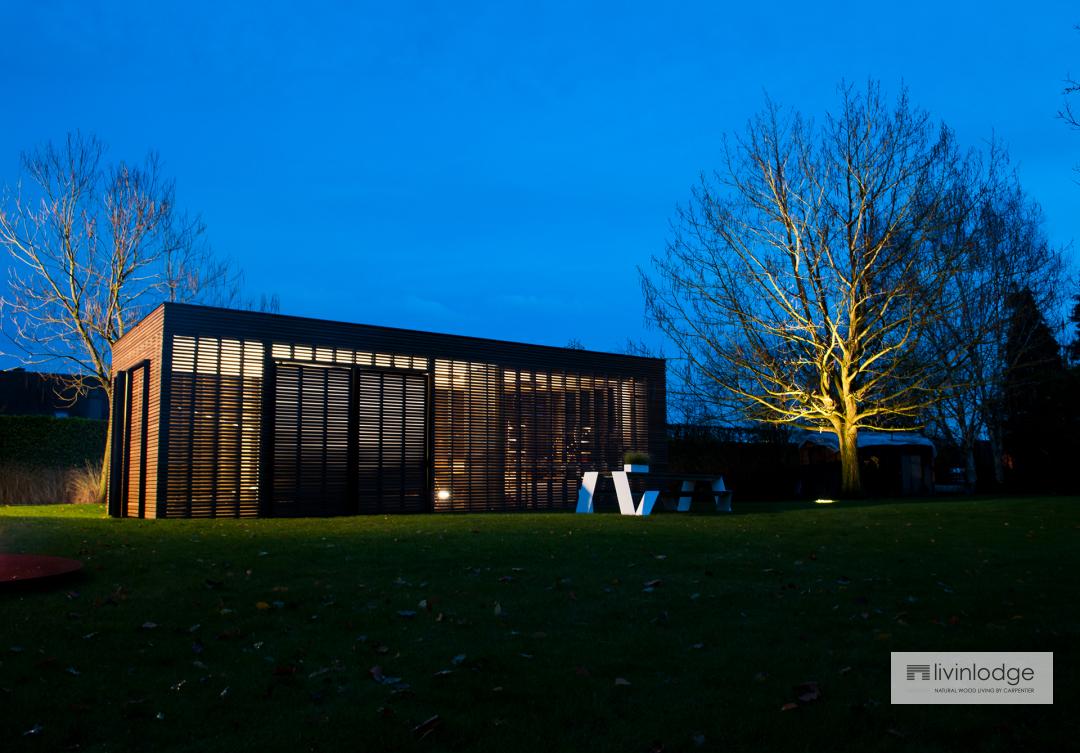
{"points": [[262, 605], [426, 727], [149, 625], [807, 692], [621, 681], [383, 679], [789, 706]]}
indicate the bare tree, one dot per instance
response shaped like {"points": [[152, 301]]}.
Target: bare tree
{"points": [[998, 231], [801, 278], [1072, 87], [93, 248]]}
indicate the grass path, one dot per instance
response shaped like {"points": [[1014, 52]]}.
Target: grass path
{"points": [[534, 632]]}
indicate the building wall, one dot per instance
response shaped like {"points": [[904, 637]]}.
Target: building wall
{"points": [[30, 393], [512, 425], [144, 342]]}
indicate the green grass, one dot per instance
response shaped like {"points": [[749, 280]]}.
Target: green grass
{"points": [[267, 630]]}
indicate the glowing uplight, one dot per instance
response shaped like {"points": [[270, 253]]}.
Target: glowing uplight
{"points": [[824, 501], [444, 494]]}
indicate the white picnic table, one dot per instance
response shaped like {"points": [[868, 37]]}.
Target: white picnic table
{"points": [[644, 506]]}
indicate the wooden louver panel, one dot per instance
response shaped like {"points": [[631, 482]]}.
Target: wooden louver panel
{"points": [[519, 440], [311, 440], [135, 439], [391, 442], [215, 418]]}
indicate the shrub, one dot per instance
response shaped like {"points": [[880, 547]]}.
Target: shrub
{"points": [[84, 484], [22, 484], [636, 457], [50, 442]]}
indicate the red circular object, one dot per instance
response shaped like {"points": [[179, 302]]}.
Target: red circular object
{"points": [[24, 568]]}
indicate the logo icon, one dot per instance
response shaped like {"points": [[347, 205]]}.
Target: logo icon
{"points": [[920, 669]]}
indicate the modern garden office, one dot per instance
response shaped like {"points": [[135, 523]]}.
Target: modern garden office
{"points": [[227, 413]]}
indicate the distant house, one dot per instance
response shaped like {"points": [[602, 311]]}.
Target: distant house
{"points": [[891, 462], [34, 393]]}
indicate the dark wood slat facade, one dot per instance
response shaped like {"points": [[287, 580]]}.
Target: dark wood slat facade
{"points": [[223, 413]]}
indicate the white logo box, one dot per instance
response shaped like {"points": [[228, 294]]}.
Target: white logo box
{"points": [[973, 677]]}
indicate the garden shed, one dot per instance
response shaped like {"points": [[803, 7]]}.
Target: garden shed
{"points": [[228, 413]]}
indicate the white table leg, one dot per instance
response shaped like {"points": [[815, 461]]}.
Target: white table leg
{"points": [[685, 497], [587, 490], [721, 495], [622, 491], [648, 500]]}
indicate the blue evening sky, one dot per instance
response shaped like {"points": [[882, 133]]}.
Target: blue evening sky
{"points": [[498, 169]]}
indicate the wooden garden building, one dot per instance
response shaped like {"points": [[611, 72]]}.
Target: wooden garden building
{"points": [[225, 413]]}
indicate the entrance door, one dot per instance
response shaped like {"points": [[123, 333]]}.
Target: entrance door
{"points": [[392, 469], [311, 440], [349, 440]]}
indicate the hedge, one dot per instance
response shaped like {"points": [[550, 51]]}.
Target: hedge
{"points": [[49, 442]]}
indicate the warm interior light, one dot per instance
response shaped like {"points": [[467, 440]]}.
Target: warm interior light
{"points": [[444, 494], [824, 501]]}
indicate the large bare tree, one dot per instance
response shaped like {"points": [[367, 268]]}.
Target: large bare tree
{"points": [[92, 249], [801, 276], [1003, 249]]}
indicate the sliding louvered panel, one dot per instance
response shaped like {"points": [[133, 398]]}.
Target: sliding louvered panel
{"points": [[311, 440], [215, 418], [392, 463]]}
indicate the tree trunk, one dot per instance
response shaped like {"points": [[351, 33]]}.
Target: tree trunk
{"points": [[971, 473], [103, 480], [850, 480], [997, 449]]}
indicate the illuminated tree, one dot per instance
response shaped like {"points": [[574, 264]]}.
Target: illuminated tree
{"points": [[92, 249], [801, 277]]}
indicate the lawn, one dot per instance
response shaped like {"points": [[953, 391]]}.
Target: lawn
{"points": [[535, 632]]}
